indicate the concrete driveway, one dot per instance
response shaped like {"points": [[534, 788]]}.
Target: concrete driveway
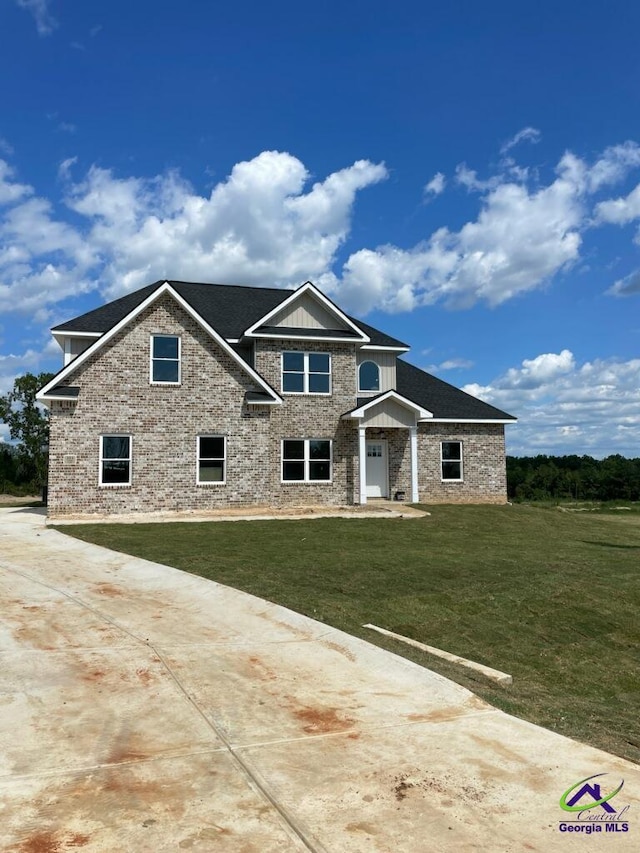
{"points": [[144, 709]]}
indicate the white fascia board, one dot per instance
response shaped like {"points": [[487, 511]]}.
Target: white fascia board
{"points": [[423, 414], [468, 420], [374, 348], [161, 291], [58, 334], [60, 337], [313, 338], [308, 287]]}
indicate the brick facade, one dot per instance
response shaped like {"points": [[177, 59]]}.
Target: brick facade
{"points": [[164, 421], [483, 457]]}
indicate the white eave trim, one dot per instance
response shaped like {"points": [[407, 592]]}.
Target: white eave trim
{"points": [[374, 348], [468, 420], [423, 414], [64, 398], [161, 291], [308, 287], [62, 334], [282, 336]]}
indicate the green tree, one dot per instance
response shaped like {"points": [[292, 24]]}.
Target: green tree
{"points": [[28, 424]]}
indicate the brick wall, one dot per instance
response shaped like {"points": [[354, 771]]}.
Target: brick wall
{"points": [[164, 422], [483, 453], [309, 416]]}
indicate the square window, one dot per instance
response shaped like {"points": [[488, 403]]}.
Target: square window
{"points": [[306, 460], [306, 372]]}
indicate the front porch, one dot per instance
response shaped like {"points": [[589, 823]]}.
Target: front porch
{"points": [[387, 446]]}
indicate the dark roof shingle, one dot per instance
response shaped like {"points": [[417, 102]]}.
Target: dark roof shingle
{"points": [[230, 309], [440, 398]]}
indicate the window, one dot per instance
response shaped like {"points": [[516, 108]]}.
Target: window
{"points": [[306, 372], [451, 459], [306, 460], [115, 460], [211, 459], [368, 376], [165, 359]]}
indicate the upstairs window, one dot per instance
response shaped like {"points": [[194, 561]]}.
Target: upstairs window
{"points": [[451, 460], [115, 460], [306, 372], [165, 359], [368, 376]]}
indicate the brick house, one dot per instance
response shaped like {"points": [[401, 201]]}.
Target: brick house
{"points": [[185, 396]]}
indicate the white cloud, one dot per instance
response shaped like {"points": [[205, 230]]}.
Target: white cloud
{"points": [[266, 223], [261, 225], [39, 9], [523, 236], [520, 239], [12, 365], [258, 226], [468, 178], [620, 211], [64, 169], [527, 134], [436, 185], [628, 286], [10, 190], [566, 407], [449, 364]]}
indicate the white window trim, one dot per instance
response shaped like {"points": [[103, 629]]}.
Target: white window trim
{"points": [[200, 482], [101, 460], [459, 479], [153, 381], [306, 461], [369, 390], [305, 374]]}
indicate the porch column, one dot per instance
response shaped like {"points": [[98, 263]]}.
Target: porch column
{"points": [[362, 463], [413, 436]]}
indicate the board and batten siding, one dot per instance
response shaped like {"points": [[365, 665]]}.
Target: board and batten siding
{"points": [[386, 361], [307, 313], [389, 413]]}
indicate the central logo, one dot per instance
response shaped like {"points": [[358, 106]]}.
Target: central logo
{"points": [[570, 801]]}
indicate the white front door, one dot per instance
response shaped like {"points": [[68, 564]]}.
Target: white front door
{"points": [[377, 469]]}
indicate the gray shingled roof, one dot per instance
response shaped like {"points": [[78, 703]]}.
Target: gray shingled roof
{"points": [[440, 398], [229, 309]]}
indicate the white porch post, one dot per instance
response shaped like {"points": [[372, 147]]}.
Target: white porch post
{"points": [[413, 434], [362, 463]]}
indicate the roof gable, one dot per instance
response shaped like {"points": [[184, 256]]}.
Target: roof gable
{"points": [[153, 296], [392, 396], [226, 307], [307, 310]]}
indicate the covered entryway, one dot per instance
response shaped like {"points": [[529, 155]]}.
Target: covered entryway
{"points": [[386, 411], [377, 469]]}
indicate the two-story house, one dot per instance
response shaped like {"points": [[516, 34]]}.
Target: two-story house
{"points": [[185, 396]]}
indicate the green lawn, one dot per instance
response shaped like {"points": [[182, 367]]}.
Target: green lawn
{"points": [[551, 597]]}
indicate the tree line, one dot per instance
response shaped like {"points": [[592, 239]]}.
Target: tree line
{"points": [[576, 477], [23, 465]]}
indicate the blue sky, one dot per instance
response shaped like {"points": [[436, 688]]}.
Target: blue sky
{"points": [[464, 176]]}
